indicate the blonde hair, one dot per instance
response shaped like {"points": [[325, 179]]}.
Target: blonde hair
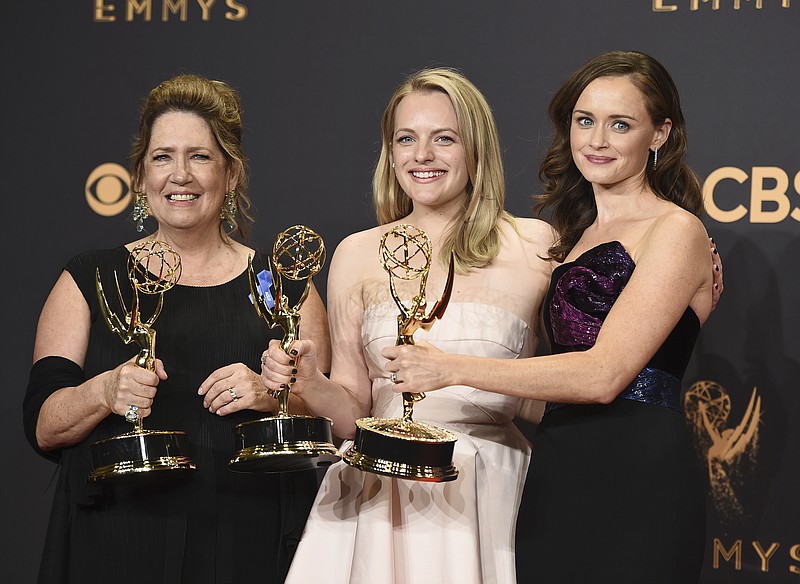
{"points": [[219, 105], [474, 238]]}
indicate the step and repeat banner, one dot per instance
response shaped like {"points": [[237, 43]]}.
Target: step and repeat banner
{"points": [[314, 77]]}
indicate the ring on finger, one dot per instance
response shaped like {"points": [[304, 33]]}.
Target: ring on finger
{"points": [[393, 377], [234, 397], [132, 414]]}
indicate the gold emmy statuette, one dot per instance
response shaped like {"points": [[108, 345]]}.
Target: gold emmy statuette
{"points": [[153, 268], [401, 447], [284, 442]]}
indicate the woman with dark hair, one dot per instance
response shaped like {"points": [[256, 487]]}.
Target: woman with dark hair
{"points": [[209, 525], [614, 492]]}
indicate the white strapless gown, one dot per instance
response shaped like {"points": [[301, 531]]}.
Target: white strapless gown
{"points": [[367, 528]]}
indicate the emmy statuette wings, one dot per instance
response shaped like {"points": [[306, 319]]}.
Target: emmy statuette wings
{"points": [[401, 447], [284, 443], [153, 268]]}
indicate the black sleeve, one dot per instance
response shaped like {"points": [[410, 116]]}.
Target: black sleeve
{"points": [[48, 375]]}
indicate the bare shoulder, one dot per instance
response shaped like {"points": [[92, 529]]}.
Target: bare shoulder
{"points": [[64, 322], [65, 293], [677, 225], [359, 244], [675, 248], [536, 230], [675, 237], [355, 259], [530, 237]]}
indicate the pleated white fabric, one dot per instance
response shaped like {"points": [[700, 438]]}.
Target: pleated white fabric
{"points": [[367, 528]]}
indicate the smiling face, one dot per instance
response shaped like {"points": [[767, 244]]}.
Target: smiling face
{"points": [[428, 153], [185, 173], [612, 133]]}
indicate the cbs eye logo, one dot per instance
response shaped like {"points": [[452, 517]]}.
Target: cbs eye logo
{"points": [[108, 189]]}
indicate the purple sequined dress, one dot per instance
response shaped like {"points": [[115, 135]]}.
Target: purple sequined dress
{"points": [[614, 492]]}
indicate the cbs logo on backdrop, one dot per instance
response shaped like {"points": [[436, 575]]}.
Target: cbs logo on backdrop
{"points": [[727, 198], [768, 198], [108, 189]]}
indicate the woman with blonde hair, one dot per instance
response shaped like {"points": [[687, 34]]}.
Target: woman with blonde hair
{"points": [[440, 170], [615, 492]]}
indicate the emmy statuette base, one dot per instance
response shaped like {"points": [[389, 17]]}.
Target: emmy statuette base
{"points": [[144, 455], [284, 444], [403, 449]]}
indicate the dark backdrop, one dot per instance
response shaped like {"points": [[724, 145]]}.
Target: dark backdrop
{"points": [[315, 75]]}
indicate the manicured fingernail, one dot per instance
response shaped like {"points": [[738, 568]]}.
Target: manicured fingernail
{"points": [[294, 371], [716, 268], [293, 351], [714, 250], [284, 386], [716, 286], [292, 380]]}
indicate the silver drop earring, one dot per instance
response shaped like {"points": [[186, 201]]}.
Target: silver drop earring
{"points": [[141, 211], [228, 211], [655, 158]]}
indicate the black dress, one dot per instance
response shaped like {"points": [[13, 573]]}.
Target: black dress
{"points": [[614, 492], [214, 526]]}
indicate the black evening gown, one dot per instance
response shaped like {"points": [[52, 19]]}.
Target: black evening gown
{"points": [[213, 526], [614, 492]]}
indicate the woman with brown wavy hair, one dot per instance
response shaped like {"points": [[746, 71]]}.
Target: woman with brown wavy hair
{"points": [[614, 492]]}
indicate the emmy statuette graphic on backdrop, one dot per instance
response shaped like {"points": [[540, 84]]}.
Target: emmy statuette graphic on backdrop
{"points": [[285, 442], [401, 447], [153, 268], [729, 449]]}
